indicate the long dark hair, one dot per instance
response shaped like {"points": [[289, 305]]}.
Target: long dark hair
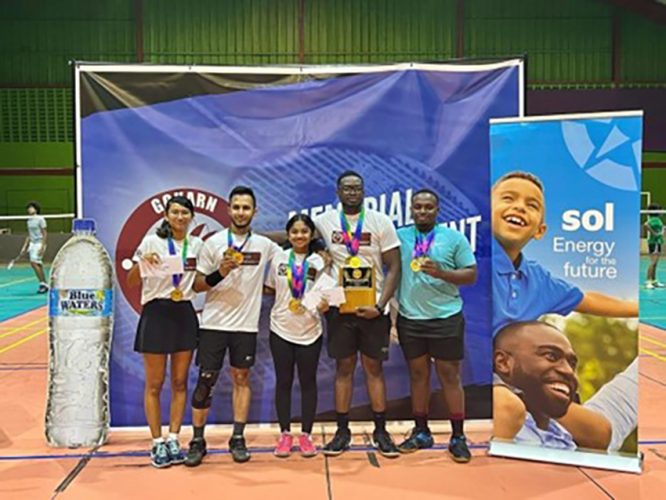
{"points": [[164, 231], [315, 244]]}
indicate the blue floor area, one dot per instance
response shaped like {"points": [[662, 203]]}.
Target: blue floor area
{"points": [[18, 291], [653, 302], [18, 288]]}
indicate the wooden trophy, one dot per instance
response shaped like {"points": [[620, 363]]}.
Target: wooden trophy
{"points": [[359, 283]]}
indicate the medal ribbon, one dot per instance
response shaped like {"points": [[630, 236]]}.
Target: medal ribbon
{"points": [[177, 278], [296, 276], [352, 242], [230, 241], [423, 243]]}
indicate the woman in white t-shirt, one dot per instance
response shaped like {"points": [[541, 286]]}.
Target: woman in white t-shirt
{"points": [[168, 325], [296, 332]]}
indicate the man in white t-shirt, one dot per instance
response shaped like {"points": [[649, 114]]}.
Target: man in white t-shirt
{"points": [[358, 237], [35, 243], [231, 271]]}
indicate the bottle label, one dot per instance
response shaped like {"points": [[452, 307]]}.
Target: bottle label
{"points": [[81, 302]]}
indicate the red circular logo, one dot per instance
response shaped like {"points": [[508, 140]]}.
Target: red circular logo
{"points": [[210, 215]]}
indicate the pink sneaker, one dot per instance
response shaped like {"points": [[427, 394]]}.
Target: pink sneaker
{"points": [[306, 446], [283, 448]]}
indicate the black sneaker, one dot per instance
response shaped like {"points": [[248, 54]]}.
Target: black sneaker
{"points": [[382, 441], [419, 439], [238, 450], [42, 288], [339, 444], [459, 450], [196, 452]]}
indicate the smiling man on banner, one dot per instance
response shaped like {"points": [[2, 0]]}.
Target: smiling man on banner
{"points": [[536, 361]]}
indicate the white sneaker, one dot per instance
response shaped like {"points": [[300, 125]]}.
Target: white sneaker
{"points": [[658, 284], [649, 285]]}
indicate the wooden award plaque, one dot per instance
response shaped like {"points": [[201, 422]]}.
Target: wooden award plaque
{"points": [[360, 288]]}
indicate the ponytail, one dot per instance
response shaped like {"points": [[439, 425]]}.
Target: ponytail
{"points": [[164, 231]]}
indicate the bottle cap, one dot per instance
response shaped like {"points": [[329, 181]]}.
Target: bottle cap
{"points": [[83, 226]]}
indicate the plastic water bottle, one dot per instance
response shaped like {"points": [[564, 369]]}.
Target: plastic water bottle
{"points": [[80, 326]]}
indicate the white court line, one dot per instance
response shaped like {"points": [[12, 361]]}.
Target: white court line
{"points": [[11, 283]]}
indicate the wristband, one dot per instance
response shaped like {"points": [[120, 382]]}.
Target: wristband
{"points": [[214, 278]]}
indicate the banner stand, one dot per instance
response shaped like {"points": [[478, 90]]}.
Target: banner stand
{"points": [[565, 199], [621, 462]]}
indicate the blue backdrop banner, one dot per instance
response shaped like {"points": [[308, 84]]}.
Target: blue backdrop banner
{"points": [[146, 134]]}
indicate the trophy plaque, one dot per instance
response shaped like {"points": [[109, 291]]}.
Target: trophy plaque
{"points": [[359, 284]]}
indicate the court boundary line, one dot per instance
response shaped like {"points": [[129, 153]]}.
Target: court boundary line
{"points": [[658, 327], [72, 475], [656, 356], [18, 343], [595, 483], [327, 470], [652, 379], [652, 341], [12, 283], [19, 328], [259, 450], [26, 312]]}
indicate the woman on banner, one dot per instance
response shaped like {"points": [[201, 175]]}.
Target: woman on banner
{"points": [[168, 324], [296, 330]]}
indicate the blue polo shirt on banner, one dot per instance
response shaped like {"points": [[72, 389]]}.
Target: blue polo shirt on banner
{"points": [[422, 296], [555, 436], [527, 292]]}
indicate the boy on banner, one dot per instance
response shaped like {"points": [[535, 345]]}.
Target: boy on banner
{"points": [[231, 271], [436, 260], [361, 242], [525, 290]]}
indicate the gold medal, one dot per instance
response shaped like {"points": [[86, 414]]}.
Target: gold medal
{"points": [[239, 258], [416, 265], [177, 295], [354, 261], [295, 306], [235, 255]]}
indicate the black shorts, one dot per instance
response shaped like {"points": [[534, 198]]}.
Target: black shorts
{"points": [[349, 334], [442, 339], [166, 327], [654, 248], [213, 345]]}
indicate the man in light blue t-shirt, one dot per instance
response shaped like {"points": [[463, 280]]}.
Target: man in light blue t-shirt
{"points": [[435, 261]]}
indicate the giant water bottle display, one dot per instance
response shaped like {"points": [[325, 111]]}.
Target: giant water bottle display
{"points": [[80, 326]]}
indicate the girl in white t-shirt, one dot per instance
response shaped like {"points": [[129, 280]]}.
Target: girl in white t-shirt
{"points": [[168, 324], [296, 332]]}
